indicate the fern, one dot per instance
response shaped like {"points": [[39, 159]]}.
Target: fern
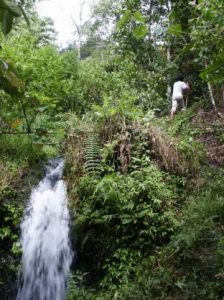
{"points": [[92, 165]]}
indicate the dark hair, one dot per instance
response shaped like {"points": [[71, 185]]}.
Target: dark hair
{"points": [[180, 78]]}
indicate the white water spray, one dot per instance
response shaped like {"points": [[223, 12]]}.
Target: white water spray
{"points": [[45, 239]]}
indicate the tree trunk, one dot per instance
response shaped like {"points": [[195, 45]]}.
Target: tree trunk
{"points": [[169, 88], [222, 91], [168, 53], [211, 95]]}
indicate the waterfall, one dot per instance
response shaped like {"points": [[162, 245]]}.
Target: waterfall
{"points": [[45, 243]]}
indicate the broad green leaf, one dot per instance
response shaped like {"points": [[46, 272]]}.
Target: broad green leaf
{"points": [[9, 9], [7, 22], [139, 17], [8, 78], [12, 7], [173, 15], [41, 108], [124, 19], [145, 213], [213, 73], [140, 31], [175, 29], [130, 205], [126, 221], [5, 232]]}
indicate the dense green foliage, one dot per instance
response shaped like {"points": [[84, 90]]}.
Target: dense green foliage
{"points": [[142, 232], [145, 192]]}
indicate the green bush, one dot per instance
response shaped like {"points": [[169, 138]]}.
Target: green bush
{"points": [[121, 218]]}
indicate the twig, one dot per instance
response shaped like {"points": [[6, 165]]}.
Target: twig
{"points": [[25, 132]]}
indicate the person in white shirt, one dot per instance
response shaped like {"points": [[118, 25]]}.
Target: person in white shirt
{"points": [[177, 97]]}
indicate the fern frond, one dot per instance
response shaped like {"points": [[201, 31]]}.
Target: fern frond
{"points": [[92, 164]]}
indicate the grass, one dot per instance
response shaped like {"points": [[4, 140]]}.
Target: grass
{"points": [[16, 146]]}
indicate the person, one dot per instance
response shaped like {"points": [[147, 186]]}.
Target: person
{"points": [[179, 88]]}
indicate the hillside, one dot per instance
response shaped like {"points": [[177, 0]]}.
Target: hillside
{"points": [[112, 152], [148, 218]]}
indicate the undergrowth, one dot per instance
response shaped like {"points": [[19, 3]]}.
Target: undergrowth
{"points": [[154, 229]]}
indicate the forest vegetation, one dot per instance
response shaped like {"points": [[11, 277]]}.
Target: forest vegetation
{"points": [[145, 192]]}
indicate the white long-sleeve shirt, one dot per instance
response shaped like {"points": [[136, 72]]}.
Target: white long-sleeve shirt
{"points": [[178, 88]]}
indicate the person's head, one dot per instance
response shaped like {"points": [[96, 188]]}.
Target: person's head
{"points": [[180, 78]]}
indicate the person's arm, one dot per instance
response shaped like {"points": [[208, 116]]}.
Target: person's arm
{"points": [[185, 87]]}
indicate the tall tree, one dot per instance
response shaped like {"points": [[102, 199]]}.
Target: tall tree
{"points": [[81, 26], [207, 31]]}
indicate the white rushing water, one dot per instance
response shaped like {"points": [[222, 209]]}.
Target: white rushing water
{"points": [[47, 255]]}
